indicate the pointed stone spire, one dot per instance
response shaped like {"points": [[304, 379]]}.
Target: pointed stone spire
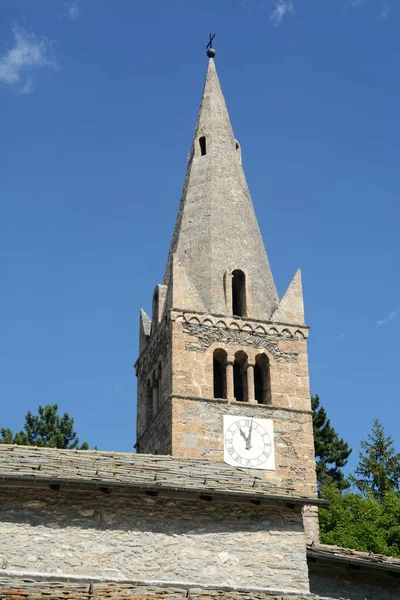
{"points": [[216, 230], [291, 307]]}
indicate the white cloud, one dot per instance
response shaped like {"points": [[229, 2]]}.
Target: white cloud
{"points": [[385, 10], [281, 9], [389, 318], [385, 7], [71, 10], [27, 53]]}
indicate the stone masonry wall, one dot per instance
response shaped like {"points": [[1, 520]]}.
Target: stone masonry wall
{"points": [[157, 438], [197, 427], [194, 339], [91, 534], [154, 431]]}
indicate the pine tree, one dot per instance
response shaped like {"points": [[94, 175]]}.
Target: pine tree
{"points": [[378, 470], [47, 428], [361, 522], [331, 452]]}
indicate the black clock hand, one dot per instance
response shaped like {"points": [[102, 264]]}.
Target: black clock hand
{"points": [[248, 440], [242, 433]]}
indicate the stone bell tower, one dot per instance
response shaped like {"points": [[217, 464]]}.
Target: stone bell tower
{"points": [[220, 341]]}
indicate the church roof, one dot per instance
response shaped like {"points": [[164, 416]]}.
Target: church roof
{"points": [[18, 589], [347, 556], [157, 475], [216, 230]]}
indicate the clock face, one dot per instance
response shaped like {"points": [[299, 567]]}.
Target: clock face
{"points": [[249, 442]]}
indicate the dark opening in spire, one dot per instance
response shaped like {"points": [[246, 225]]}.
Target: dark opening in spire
{"points": [[239, 293], [202, 142]]}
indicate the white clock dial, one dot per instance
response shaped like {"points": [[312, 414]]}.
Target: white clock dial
{"points": [[249, 442]]}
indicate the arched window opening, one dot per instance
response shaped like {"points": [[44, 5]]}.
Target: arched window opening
{"points": [[202, 142], [238, 382], [262, 381], [219, 372], [238, 293], [240, 377], [258, 384], [237, 146]]}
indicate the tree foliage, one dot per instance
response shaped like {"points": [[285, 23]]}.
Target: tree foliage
{"points": [[361, 522], [46, 429], [331, 452], [378, 470]]}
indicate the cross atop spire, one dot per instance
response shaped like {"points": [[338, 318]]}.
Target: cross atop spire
{"points": [[210, 50]]}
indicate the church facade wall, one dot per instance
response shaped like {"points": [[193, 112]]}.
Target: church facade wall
{"points": [[147, 539]]}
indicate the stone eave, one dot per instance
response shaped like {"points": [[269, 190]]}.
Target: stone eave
{"points": [[154, 475], [327, 554], [57, 587], [166, 491]]}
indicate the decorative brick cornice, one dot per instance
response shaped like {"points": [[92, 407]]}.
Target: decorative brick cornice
{"points": [[206, 335]]}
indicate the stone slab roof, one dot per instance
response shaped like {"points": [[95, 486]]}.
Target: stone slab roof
{"points": [[13, 589], [367, 560], [157, 475]]}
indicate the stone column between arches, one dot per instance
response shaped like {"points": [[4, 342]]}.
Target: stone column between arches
{"points": [[250, 384]]}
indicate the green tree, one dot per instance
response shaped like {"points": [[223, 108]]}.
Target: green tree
{"points": [[331, 452], [378, 470], [361, 522], [47, 428]]}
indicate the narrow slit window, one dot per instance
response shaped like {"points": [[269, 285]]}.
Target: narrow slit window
{"points": [[202, 142], [155, 398], [238, 293], [149, 403]]}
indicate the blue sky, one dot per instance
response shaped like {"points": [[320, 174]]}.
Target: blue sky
{"points": [[98, 100]]}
